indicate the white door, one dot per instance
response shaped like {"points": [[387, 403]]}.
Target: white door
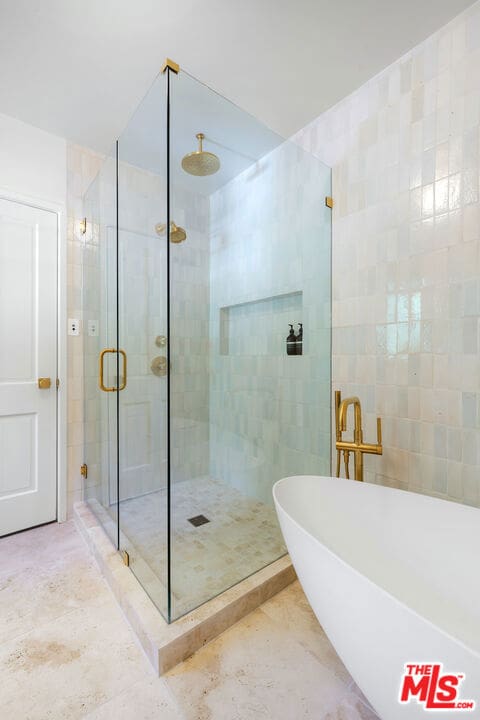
{"points": [[28, 352]]}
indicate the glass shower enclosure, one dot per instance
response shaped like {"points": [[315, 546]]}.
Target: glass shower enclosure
{"points": [[207, 244]]}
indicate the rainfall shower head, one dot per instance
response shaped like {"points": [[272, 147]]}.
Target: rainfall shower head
{"points": [[177, 233], [201, 162]]}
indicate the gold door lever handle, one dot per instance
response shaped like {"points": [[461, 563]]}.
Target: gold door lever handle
{"points": [[44, 383]]}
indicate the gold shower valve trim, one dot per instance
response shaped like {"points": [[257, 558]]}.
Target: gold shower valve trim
{"points": [[172, 65], [159, 366]]}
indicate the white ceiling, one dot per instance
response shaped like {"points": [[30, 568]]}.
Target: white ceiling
{"points": [[78, 68], [234, 135]]}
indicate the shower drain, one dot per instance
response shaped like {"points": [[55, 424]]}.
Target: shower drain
{"points": [[198, 520]]}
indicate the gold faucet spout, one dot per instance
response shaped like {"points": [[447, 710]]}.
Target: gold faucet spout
{"points": [[356, 446], [342, 417]]}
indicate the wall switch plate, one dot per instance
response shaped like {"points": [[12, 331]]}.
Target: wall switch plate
{"points": [[92, 326], [73, 326]]}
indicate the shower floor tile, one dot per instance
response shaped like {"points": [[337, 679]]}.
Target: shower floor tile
{"points": [[241, 537]]}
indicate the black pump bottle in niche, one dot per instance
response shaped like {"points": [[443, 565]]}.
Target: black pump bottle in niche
{"points": [[299, 340], [291, 342]]}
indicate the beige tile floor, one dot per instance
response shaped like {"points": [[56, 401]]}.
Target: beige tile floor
{"points": [[66, 651]]}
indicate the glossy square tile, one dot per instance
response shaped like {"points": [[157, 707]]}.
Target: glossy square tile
{"points": [[434, 92]]}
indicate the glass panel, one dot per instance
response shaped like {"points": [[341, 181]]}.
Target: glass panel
{"points": [[199, 286], [244, 413], [142, 318], [100, 332]]}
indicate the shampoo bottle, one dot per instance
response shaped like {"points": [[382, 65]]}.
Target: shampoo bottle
{"points": [[291, 342]]}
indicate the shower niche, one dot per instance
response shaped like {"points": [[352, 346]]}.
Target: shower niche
{"points": [[205, 425], [257, 327]]}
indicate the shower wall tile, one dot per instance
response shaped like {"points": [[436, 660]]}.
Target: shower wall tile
{"points": [[270, 266], [189, 303], [143, 315], [404, 149]]}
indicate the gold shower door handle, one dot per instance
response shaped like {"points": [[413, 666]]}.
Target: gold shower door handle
{"points": [[101, 382]]}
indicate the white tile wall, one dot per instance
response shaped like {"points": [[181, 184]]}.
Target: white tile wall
{"points": [[270, 266], [143, 294], [404, 149]]}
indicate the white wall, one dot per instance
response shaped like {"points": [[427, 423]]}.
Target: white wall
{"points": [[406, 259], [32, 162]]}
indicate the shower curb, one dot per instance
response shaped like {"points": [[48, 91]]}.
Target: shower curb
{"points": [[165, 644]]}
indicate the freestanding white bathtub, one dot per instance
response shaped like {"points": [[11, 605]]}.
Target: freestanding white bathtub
{"points": [[394, 578]]}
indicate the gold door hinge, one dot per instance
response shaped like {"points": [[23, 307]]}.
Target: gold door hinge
{"points": [[172, 65], [84, 471], [83, 226], [329, 202], [125, 557]]}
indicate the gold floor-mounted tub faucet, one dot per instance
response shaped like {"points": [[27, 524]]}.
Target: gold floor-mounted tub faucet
{"points": [[358, 447]]}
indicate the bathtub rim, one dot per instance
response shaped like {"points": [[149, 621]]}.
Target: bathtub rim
{"points": [[336, 556]]}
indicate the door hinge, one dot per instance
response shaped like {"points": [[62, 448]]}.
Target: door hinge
{"points": [[83, 225], [329, 202], [125, 558], [84, 471], [170, 64]]}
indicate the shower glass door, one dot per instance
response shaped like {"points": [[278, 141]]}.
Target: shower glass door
{"points": [[143, 336]]}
